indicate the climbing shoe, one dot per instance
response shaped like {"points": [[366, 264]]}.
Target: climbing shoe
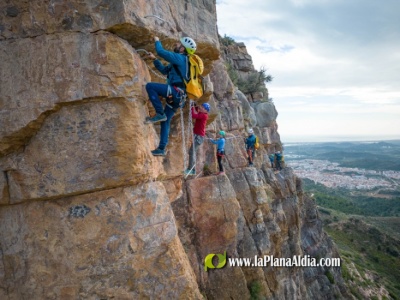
{"points": [[158, 152], [221, 173], [190, 172], [157, 118]]}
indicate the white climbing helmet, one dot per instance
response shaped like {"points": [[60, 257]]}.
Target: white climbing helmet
{"points": [[250, 131], [189, 44]]}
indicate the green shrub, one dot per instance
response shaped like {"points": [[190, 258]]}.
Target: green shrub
{"points": [[233, 74], [255, 290], [346, 273], [255, 82], [324, 211], [226, 40], [356, 293], [206, 170], [330, 276]]}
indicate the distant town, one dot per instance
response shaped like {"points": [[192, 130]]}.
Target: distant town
{"points": [[331, 175]]}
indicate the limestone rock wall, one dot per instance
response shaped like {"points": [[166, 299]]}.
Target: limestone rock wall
{"points": [[82, 212], [86, 212], [253, 212], [236, 57], [119, 243], [135, 21]]}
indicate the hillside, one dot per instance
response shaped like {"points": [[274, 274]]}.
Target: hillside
{"points": [[370, 253], [362, 219], [354, 202]]}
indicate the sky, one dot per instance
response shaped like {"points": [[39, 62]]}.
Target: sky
{"points": [[335, 63]]}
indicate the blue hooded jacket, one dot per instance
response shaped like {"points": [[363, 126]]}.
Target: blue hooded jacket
{"points": [[178, 59], [250, 141]]}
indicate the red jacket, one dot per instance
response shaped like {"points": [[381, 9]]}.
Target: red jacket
{"points": [[201, 122]]}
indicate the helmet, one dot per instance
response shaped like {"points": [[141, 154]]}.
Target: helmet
{"points": [[206, 106], [250, 131], [222, 133], [189, 44]]}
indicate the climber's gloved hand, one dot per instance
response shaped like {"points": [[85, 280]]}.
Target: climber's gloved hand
{"points": [[156, 39]]}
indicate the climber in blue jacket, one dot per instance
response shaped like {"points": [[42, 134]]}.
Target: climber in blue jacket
{"points": [[250, 146], [271, 159], [177, 70], [220, 150]]}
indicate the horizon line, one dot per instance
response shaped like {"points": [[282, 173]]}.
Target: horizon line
{"points": [[348, 138]]}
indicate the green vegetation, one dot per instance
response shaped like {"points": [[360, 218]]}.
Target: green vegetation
{"points": [[375, 254], [369, 246], [351, 202], [252, 83], [330, 277], [255, 82], [226, 40], [365, 224], [233, 74], [255, 290], [345, 272], [389, 225], [206, 170]]}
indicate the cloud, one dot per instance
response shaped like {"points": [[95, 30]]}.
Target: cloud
{"points": [[363, 34], [340, 52], [281, 49]]}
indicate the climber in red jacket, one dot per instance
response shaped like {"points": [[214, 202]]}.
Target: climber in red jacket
{"points": [[200, 114]]}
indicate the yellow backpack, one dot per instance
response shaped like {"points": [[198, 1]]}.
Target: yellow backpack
{"points": [[194, 87], [257, 144]]}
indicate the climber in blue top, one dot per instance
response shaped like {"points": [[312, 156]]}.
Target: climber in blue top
{"points": [[177, 70], [220, 150], [250, 146]]}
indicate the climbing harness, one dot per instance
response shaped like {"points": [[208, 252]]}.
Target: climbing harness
{"points": [[181, 97]]}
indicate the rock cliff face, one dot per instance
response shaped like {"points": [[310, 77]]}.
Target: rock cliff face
{"points": [[86, 212]]}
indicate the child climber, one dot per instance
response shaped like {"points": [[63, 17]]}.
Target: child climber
{"points": [[200, 114], [220, 150]]}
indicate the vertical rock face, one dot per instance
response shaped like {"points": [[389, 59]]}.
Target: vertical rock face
{"points": [[119, 243], [87, 212]]}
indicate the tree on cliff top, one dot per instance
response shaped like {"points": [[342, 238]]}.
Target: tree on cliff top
{"points": [[255, 82], [226, 40], [250, 83]]}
